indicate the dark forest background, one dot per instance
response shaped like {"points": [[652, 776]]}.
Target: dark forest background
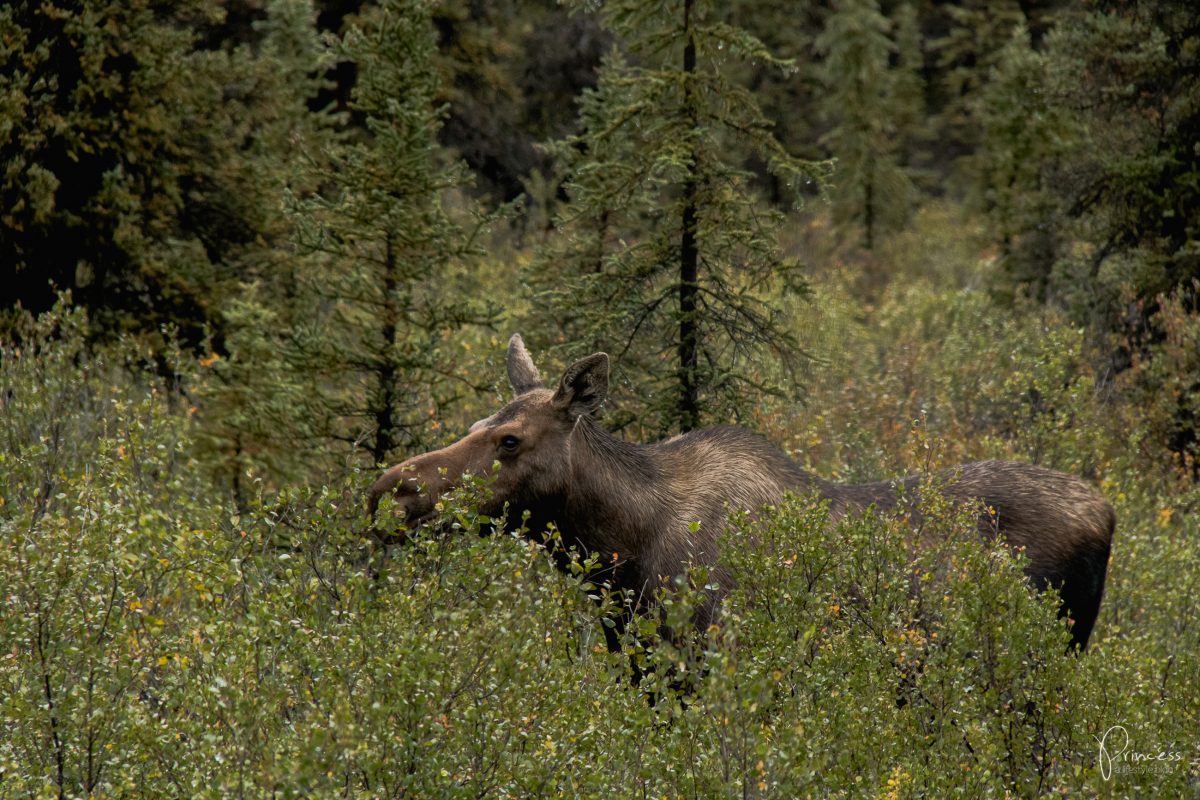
{"points": [[328, 201], [252, 251]]}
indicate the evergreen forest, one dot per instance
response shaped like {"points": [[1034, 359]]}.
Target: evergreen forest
{"points": [[255, 252]]}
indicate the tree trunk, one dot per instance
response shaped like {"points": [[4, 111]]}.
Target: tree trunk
{"points": [[869, 212], [689, 256], [386, 374]]}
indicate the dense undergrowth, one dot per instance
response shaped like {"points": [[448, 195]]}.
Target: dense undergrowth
{"points": [[158, 640]]}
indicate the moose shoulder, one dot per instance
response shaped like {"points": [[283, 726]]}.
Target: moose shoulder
{"points": [[637, 504]]}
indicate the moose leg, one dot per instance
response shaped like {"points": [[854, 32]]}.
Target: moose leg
{"points": [[1080, 583], [1083, 591]]}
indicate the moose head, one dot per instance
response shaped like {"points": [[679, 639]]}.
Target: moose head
{"points": [[524, 448]]}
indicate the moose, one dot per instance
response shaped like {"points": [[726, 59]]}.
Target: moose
{"points": [[551, 462]]}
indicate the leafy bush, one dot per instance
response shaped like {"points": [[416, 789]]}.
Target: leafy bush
{"points": [[158, 641]]}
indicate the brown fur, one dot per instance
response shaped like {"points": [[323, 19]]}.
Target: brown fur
{"points": [[633, 504]]}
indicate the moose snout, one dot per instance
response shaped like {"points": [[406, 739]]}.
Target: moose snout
{"points": [[414, 489]]}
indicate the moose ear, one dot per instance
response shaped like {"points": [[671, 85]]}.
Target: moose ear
{"points": [[522, 374], [583, 386]]}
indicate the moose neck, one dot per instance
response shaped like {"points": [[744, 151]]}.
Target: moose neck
{"points": [[617, 493], [645, 500]]}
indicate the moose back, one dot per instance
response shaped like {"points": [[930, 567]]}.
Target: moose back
{"points": [[636, 504]]}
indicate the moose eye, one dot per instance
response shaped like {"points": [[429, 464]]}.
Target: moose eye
{"points": [[509, 443]]}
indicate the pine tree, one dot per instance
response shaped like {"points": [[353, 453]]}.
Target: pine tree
{"points": [[664, 255], [1090, 151], [868, 105], [1025, 138], [786, 96], [139, 162], [909, 113], [976, 31], [384, 282], [250, 399], [1091, 172]]}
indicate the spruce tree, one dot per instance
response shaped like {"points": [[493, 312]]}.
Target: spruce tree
{"points": [[1025, 138], [250, 399], [975, 33], [140, 167], [382, 283], [1090, 150], [664, 255], [869, 105], [1091, 172], [909, 113], [786, 96]]}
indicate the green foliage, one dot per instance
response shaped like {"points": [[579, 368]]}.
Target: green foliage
{"points": [[787, 97], [387, 277], [191, 603], [141, 166], [1027, 136], [166, 644], [663, 255], [1103, 159], [256, 412], [975, 35], [1163, 381], [511, 74], [870, 107], [160, 641], [105, 545], [178, 167], [855, 628], [1088, 173]]}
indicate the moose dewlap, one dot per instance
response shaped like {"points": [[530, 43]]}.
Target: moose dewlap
{"points": [[640, 501]]}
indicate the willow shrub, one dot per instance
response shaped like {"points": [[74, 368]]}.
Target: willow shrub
{"points": [[157, 641]]}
